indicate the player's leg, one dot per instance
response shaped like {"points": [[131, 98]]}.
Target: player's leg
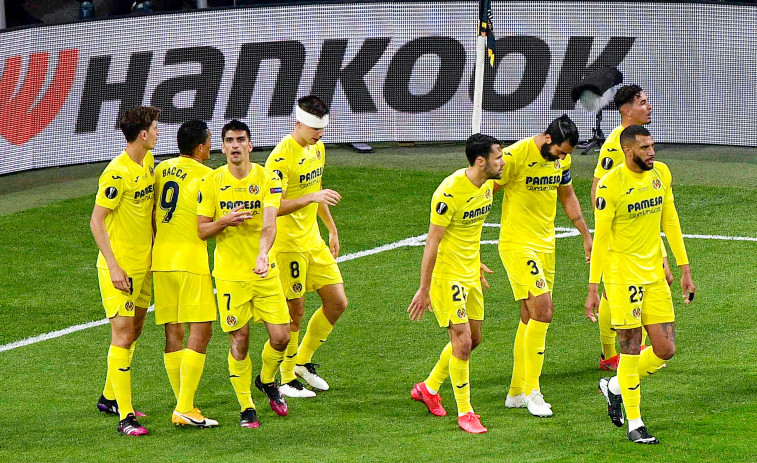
{"points": [[652, 359], [173, 353], [272, 355], [459, 373], [609, 357], [534, 343], [516, 397], [167, 291], [290, 385], [240, 366]]}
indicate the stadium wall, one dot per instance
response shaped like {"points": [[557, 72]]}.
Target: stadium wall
{"points": [[392, 71]]}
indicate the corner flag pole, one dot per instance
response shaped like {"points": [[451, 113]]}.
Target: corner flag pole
{"points": [[484, 42]]}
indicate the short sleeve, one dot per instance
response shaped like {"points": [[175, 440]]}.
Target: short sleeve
{"points": [[206, 198], [273, 191], [443, 207], [566, 178], [604, 205], [277, 163], [110, 189], [509, 170]]}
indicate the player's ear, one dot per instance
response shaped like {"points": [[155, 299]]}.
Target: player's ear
{"points": [[548, 139]]}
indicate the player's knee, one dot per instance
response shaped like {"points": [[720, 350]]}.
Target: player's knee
{"points": [[475, 342], [337, 306], [279, 341], [667, 351]]}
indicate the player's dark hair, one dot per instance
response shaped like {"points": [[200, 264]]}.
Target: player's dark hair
{"points": [[477, 145], [313, 105], [627, 94], [562, 129], [137, 119], [628, 136], [191, 134], [235, 125]]}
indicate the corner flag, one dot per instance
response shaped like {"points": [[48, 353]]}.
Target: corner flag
{"points": [[485, 28]]}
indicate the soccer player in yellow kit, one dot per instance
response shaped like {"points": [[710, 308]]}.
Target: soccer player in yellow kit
{"points": [[536, 174], [634, 107], [183, 287], [308, 263], [238, 204], [633, 202], [452, 275], [122, 227]]}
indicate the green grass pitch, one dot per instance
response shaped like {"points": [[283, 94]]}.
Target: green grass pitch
{"points": [[703, 406]]}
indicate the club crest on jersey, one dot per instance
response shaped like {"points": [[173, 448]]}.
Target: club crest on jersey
{"points": [[231, 320], [637, 312], [254, 189], [541, 283], [461, 313], [111, 192], [657, 184], [488, 193], [441, 207], [129, 306], [318, 154], [556, 164], [152, 171], [297, 287], [601, 203], [607, 163]]}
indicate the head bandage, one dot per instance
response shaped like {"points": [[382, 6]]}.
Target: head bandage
{"points": [[311, 120]]}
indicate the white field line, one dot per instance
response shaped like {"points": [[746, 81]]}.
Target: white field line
{"points": [[419, 240]]}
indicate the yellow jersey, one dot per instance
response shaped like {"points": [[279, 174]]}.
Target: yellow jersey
{"points": [[529, 203], [461, 208], [126, 188], [177, 244], [237, 247], [629, 211], [301, 171], [611, 154]]}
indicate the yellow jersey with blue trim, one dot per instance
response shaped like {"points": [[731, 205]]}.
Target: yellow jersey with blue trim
{"points": [[126, 188], [237, 247], [461, 208], [529, 203], [178, 247], [630, 210], [300, 169]]}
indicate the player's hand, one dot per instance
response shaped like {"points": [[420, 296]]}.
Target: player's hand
{"points": [[327, 197], [687, 287], [120, 279], [592, 305], [261, 265], [236, 217], [668, 274], [484, 269], [588, 243], [334, 244], [421, 302]]}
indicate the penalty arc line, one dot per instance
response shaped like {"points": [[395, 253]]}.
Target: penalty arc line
{"points": [[420, 240]]}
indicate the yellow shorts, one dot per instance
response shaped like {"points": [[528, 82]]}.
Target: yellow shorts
{"points": [[117, 302], [456, 302], [183, 297], [307, 271], [529, 271], [632, 306], [257, 300]]}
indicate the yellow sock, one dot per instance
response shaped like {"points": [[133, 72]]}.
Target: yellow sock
{"points": [[534, 342], [643, 336], [240, 374], [518, 380], [119, 366], [108, 390], [172, 360], [630, 387], [192, 366], [441, 370], [318, 331], [460, 377], [287, 366], [649, 362], [606, 333], [272, 358]]}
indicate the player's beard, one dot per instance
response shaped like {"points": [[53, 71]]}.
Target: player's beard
{"points": [[546, 154], [641, 164], [491, 173]]}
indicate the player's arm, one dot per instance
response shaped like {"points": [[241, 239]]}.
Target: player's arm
{"points": [[572, 207], [325, 214], [97, 224], [325, 197], [594, 183], [267, 236], [671, 225], [422, 301], [208, 228], [604, 214]]}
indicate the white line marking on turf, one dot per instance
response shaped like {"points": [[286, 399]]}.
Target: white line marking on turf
{"points": [[420, 240]]}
